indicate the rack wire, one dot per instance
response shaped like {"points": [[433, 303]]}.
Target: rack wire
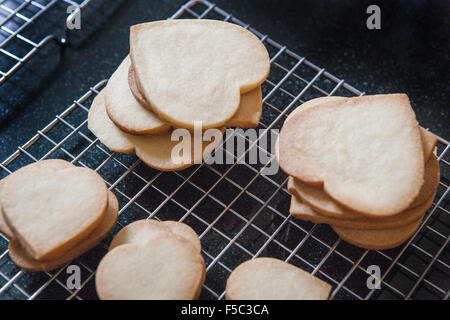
{"points": [[239, 213], [16, 18]]}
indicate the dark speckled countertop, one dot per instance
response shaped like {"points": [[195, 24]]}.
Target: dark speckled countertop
{"points": [[409, 54]]}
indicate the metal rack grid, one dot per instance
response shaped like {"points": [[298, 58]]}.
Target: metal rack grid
{"points": [[238, 213], [16, 16]]}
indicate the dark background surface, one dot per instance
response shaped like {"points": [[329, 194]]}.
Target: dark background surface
{"points": [[409, 54]]}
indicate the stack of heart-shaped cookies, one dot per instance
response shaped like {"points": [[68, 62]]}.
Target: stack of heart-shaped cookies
{"points": [[52, 212], [152, 260], [181, 74], [362, 165]]}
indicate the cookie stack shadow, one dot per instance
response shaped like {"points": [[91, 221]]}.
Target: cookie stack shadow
{"points": [[180, 75], [52, 212], [362, 165]]}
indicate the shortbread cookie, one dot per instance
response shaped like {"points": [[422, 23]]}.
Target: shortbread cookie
{"points": [[273, 279], [366, 151], [322, 204], [377, 239], [154, 150], [184, 231], [325, 205], [49, 211], [21, 258], [429, 140], [125, 111], [248, 115], [302, 211], [165, 268], [139, 232], [51, 164], [102, 126], [196, 70]]}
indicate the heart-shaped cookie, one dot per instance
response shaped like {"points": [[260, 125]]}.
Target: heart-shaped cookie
{"points": [[196, 70], [49, 211], [429, 140], [165, 268], [367, 152], [24, 261], [248, 115], [273, 279], [51, 164]]}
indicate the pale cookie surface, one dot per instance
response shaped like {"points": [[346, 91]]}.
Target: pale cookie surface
{"points": [[139, 232], [325, 205], [21, 258], [314, 103], [102, 126], [273, 279], [377, 239], [367, 152], [51, 164], [184, 231], [123, 108], [165, 268], [154, 150], [248, 115], [429, 140], [49, 211], [196, 70]]}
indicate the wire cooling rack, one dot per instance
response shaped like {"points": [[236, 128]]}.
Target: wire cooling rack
{"points": [[17, 44], [239, 213]]}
